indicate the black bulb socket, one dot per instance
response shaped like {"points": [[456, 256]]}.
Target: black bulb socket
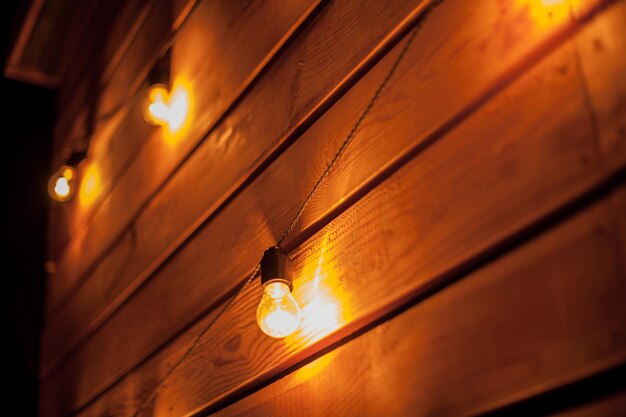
{"points": [[276, 267]]}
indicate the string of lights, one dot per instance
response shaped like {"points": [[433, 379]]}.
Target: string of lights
{"points": [[64, 181], [278, 313]]}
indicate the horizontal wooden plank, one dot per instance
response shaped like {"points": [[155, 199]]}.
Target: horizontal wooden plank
{"points": [[114, 84], [603, 55], [444, 201], [135, 260], [155, 241], [541, 322], [118, 134], [530, 321], [100, 92], [154, 163], [94, 27], [114, 146], [78, 103], [130, 20]]}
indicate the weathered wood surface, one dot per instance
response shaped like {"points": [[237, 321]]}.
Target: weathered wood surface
{"points": [[154, 163], [530, 321], [134, 260], [444, 200]]}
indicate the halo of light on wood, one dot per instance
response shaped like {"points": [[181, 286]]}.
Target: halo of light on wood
{"points": [[166, 108], [156, 105]]}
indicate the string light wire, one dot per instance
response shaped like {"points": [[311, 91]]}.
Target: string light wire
{"points": [[296, 217]]}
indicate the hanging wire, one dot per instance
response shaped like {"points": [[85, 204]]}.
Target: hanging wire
{"points": [[196, 342], [296, 217]]}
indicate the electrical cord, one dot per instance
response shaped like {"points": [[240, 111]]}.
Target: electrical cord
{"points": [[296, 218]]}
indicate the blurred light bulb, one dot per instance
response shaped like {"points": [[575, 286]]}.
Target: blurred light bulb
{"points": [[278, 313], [156, 108], [165, 108], [62, 187], [62, 184]]}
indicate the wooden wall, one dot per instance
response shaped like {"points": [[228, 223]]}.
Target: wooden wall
{"points": [[466, 257]]}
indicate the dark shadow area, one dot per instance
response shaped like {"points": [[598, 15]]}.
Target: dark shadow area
{"points": [[569, 397], [27, 116]]}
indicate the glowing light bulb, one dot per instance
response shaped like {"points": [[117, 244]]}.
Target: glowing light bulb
{"points": [[278, 313], [167, 109], [156, 108], [62, 184], [62, 187]]}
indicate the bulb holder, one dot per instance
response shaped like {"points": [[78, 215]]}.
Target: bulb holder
{"points": [[77, 157], [276, 267]]}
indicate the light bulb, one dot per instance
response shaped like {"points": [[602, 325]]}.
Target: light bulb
{"points": [[62, 184], [278, 313], [165, 108], [156, 107], [62, 187]]}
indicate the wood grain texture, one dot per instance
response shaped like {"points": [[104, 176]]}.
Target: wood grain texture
{"points": [[530, 321], [156, 241], [153, 164], [135, 260], [441, 201], [602, 48]]}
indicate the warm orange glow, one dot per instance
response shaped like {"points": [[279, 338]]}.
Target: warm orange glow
{"points": [[324, 301], [180, 112], [91, 185], [312, 369], [178, 109], [278, 313], [548, 12], [321, 314], [62, 184], [170, 110], [69, 173]]}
